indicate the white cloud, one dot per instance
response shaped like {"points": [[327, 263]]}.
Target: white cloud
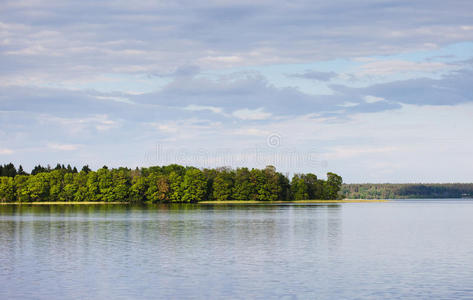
{"points": [[340, 152], [186, 128], [251, 114], [105, 124], [170, 128], [387, 67], [5, 151], [47, 44], [115, 98], [233, 59], [63, 147], [251, 132], [213, 109], [160, 36], [78, 125], [373, 99], [349, 104]]}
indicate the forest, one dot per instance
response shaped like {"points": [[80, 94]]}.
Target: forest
{"points": [[161, 184], [407, 191]]}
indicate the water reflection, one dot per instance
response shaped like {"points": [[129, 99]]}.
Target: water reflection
{"points": [[65, 230], [221, 251]]}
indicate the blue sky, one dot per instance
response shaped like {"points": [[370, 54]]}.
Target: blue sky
{"points": [[377, 91]]}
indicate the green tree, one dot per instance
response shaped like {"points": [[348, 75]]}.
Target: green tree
{"points": [[176, 183], [7, 190], [21, 171], [285, 188], [86, 169], [38, 187], [120, 185], [105, 181], [80, 180], [193, 186], [93, 189], [257, 181], [138, 188], [244, 188], [9, 170], [69, 189], [210, 175], [299, 188], [176, 187], [55, 184], [223, 184], [273, 189], [21, 188], [159, 188], [314, 189], [38, 169], [333, 185]]}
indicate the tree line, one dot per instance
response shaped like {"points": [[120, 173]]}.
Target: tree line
{"points": [[407, 191], [162, 184]]}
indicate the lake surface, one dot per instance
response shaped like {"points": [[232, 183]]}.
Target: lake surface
{"points": [[402, 249]]}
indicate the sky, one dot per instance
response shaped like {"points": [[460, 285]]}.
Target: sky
{"points": [[374, 90]]}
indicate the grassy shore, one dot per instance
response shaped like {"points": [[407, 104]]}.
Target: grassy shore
{"points": [[203, 202], [61, 203], [294, 201]]}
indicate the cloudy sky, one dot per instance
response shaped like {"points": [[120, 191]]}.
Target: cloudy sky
{"points": [[375, 90]]}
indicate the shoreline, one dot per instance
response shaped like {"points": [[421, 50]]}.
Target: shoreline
{"points": [[296, 201], [62, 203], [203, 202]]}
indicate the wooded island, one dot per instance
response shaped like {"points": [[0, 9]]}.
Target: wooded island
{"points": [[407, 190], [161, 184]]}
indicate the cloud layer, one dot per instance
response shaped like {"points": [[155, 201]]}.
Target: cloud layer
{"points": [[105, 82], [45, 40]]}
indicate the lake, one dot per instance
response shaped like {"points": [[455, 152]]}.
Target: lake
{"points": [[403, 249]]}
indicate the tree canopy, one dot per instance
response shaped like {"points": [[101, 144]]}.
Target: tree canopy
{"points": [[407, 190], [161, 184]]}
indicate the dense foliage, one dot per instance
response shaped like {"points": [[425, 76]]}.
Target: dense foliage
{"points": [[404, 191], [173, 183]]}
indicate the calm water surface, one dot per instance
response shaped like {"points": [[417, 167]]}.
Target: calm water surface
{"points": [[401, 249]]}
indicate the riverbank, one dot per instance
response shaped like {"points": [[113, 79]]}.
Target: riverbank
{"points": [[295, 201], [62, 203], [203, 202]]}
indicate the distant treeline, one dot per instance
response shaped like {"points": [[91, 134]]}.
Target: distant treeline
{"points": [[405, 191], [173, 183]]}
